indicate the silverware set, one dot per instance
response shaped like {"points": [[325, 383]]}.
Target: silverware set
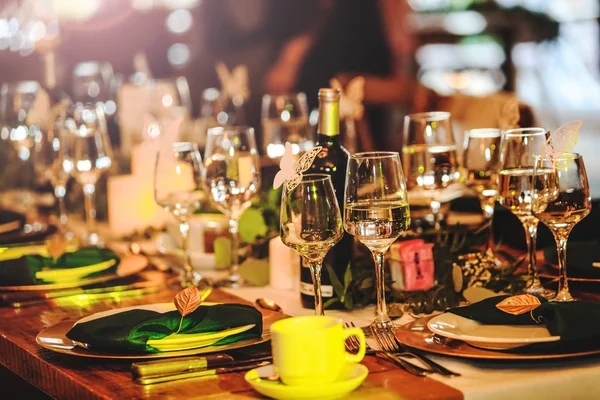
{"points": [[392, 350]]}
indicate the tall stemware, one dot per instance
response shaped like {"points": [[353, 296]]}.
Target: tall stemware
{"points": [[232, 177], [376, 210], [481, 161], [51, 164], [88, 156], [311, 224], [20, 124], [429, 155], [518, 151], [561, 198], [178, 189]]}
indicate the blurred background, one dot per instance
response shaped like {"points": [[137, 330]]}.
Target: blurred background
{"points": [[414, 54]]}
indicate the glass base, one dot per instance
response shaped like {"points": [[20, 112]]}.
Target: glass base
{"points": [[563, 296], [195, 280], [537, 289]]}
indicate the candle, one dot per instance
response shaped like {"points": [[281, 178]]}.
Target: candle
{"points": [[284, 266]]}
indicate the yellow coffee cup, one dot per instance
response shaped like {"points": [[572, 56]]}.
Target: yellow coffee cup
{"points": [[311, 350]]}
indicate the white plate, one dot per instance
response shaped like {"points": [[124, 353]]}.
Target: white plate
{"points": [[493, 337]]}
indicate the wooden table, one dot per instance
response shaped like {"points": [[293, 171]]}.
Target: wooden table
{"points": [[66, 377]]}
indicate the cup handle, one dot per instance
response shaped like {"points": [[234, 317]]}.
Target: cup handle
{"points": [[355, 358]]}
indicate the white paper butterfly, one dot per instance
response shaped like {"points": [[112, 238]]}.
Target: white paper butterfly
{"points": [[562, 141], [290, 173], [351, 99], [235, 83], [509, 116]]}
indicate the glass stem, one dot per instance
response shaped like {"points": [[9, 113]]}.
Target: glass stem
{"points": [[530, 226], [89, 191], [435, 211], [315, 271], [59, 193], [188, 270], [382, 316], [234, 274], [561, 249], [487, 206]]}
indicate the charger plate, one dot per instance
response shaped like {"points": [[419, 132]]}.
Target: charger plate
{"points": [[129, 265], [417, 335], [54, 338]]}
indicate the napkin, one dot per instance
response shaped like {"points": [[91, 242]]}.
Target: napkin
{"points": [[37, 269], [572, 321], [580, 256], [131, 330]]}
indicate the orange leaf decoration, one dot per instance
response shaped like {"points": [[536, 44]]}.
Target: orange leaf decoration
{"points": [[56, 246], [187, 301], [517, 305]]}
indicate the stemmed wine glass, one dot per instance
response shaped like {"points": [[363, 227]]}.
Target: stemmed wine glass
{"points": [[376, 210], [20, 124], [481, 160], [561, 198], [92, 81], [429, 157], [178, 189], [50, 151], [518, 150], [311, 224], [88, 155], [285, 119], [232, 177]]}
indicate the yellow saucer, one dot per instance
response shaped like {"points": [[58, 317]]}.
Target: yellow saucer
{"points": [[352, 377]]}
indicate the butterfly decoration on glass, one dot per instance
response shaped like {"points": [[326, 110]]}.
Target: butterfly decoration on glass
{"points": [[561, 199], [376, 211], [562, 141], [232, 179], [285, 119], [290, 173]]}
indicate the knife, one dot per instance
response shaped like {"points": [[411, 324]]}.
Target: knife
{"points": [[180, 365], [199, 373]]}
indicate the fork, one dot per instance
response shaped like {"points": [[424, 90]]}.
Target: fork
{"points": [[352, 344], [390, 339]]}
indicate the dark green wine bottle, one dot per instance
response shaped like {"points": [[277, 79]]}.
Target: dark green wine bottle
{"points": [[332, 160]]}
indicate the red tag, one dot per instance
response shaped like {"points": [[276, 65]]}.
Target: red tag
{"points": [[412, 265]]}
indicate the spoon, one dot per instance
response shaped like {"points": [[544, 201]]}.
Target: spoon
{"points": [[268, 304]]}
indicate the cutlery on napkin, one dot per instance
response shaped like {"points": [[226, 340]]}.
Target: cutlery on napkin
{"points": [[151, 372]]}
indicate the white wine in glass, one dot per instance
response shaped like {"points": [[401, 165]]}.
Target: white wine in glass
{"points": [[518, 151], [376, 211], [561, 198]]}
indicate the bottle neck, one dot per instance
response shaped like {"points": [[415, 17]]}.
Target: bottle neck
{"points": [[327, 140], [329, 117]]}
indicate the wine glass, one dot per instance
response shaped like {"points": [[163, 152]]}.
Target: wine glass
{"points": [[88, 156], [232, 177], [311, 224], [170, 98], [50, 149], [20, 124], [376, 210], [178, 189], [92, 81], [220, 109], [561, 198], [518, 149], [285, 119], [481, 161], [429, 157]]}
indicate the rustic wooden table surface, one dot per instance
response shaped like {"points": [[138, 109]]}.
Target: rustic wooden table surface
{"points": [[68, 377]]}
